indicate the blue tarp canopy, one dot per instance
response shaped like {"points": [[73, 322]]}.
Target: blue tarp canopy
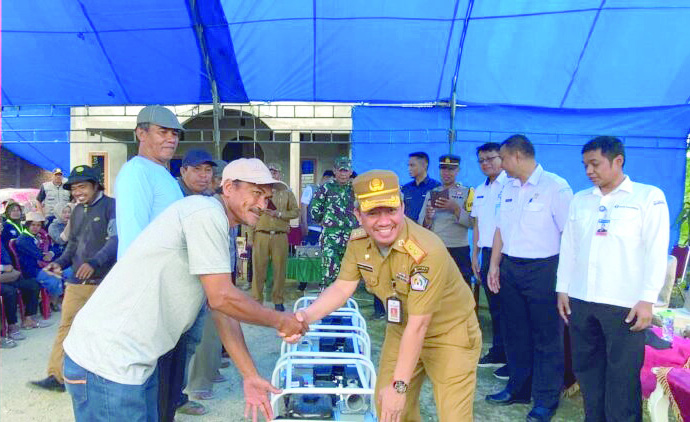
{"points": [[569, 53], [561, 56], [654, 138]]}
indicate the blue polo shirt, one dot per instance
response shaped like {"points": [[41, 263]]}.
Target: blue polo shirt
{"points": [[414, 195]]}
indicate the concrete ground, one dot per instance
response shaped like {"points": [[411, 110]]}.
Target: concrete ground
{"points": [[28, 362]]}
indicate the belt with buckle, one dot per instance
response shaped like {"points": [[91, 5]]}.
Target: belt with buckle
{"points": [[271, 232]]}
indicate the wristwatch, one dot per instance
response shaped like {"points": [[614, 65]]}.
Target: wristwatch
{"points": [[400, 386]]}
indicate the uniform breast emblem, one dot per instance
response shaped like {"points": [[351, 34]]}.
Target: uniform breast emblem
{"points": [[418, 282]]}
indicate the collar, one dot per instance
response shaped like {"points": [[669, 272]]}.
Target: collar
{"points": [[625, 186], [423, 182], [533, 179], [98, 197]]}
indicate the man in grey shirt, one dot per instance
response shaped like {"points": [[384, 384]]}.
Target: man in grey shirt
{"points": [[153, 295], [446, 212]]}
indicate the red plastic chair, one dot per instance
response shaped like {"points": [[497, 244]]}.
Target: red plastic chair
{"points": [[44, 296]]}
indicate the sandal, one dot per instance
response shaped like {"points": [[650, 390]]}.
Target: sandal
{"points": [[192, 408]]}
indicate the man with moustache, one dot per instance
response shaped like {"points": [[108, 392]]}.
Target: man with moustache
{"points": [[611, 269], [144, 188], [485, 213], [524, 260], [181, 260], [90, 251], [432, 328]]}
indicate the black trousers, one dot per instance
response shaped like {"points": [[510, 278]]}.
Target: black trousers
{"points": [[171, 368], [30, 290], [607, 358], [462, 259], [497, 348], [533, 328], [9, 302]]}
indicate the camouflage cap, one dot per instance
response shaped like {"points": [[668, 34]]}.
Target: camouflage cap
{"points": [[343, 163], [377, 188]]}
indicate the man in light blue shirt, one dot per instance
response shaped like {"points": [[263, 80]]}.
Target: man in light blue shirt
{"points": [[144, 187]]}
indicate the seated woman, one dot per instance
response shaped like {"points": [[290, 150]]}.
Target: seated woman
{"points": [[12, 226], [10, 282], [32, 258], [57, 227]]}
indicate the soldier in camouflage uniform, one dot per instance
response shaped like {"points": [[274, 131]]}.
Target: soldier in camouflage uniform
{"points": [[332, 207]]}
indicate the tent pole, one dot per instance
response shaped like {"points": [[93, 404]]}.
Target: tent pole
{"points": [[217, 110], [454, 92]]}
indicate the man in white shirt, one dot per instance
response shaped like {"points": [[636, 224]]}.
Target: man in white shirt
{"points": [[612, 267], [524, 261], [485, 212]]}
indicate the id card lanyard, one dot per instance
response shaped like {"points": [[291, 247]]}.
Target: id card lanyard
{"points": [[394, 311], [603, 222]]}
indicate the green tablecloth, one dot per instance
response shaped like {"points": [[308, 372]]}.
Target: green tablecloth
{"points": [[301, 269]]}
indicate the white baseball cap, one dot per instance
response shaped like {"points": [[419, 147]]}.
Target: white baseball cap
{"points": [[251, 170]]}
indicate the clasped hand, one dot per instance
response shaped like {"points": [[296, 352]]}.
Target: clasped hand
{"points": [[292, 326]]}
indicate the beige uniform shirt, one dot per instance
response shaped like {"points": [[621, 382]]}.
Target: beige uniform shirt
{"points": [[418, 270], [286, 204]]}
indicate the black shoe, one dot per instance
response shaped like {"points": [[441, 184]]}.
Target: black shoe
{"points": [[302, 286], [540, 414], [490, 360], [505, 398], [50, 383], [502, 373], [280, 307]]}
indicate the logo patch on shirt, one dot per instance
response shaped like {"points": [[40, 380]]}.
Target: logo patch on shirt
{"points": [[365, 267], [419, 270], [629, 207], [509, 200], [418, 282]]}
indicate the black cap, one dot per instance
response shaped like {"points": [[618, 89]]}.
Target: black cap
{"points": [[449, 160], [194, 157], [82, 174]]}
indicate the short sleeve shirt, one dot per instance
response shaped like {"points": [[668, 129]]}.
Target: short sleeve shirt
{"points": [[418, 270], [153, 294]]}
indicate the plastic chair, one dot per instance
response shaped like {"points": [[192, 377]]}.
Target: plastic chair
{"points": [[44, 296]]}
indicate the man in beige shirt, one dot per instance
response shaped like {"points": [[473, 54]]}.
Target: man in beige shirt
{"points": [[270, 241]]}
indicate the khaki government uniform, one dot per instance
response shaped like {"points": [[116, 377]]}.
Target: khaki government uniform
{"points": [[270, 242], [453, 341]]}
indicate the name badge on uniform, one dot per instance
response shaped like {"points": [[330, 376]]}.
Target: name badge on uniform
{"points": [[603, 230], [394, 310]]}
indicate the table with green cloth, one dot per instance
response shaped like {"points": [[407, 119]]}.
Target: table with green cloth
{"points": [[300, 269]]}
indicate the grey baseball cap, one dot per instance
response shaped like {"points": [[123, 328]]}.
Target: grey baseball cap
{"points": [[159, 115]]}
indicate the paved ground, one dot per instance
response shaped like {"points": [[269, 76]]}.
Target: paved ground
{"points": [[27, 362]]}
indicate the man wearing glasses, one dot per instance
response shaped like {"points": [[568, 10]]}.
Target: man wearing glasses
{"points": [[484, 211]]}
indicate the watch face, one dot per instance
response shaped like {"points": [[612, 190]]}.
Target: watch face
{"points": [[400, 386]]}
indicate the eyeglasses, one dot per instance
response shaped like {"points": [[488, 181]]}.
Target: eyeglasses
{"points": [[487, 159]]}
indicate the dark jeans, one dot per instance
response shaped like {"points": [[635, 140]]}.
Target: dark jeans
{"points": [[533, 329], [607, 358], [191, 338], [96, 399], [497, 347], [9, 302], [171, 368], [29, 289], [462, 259]]}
